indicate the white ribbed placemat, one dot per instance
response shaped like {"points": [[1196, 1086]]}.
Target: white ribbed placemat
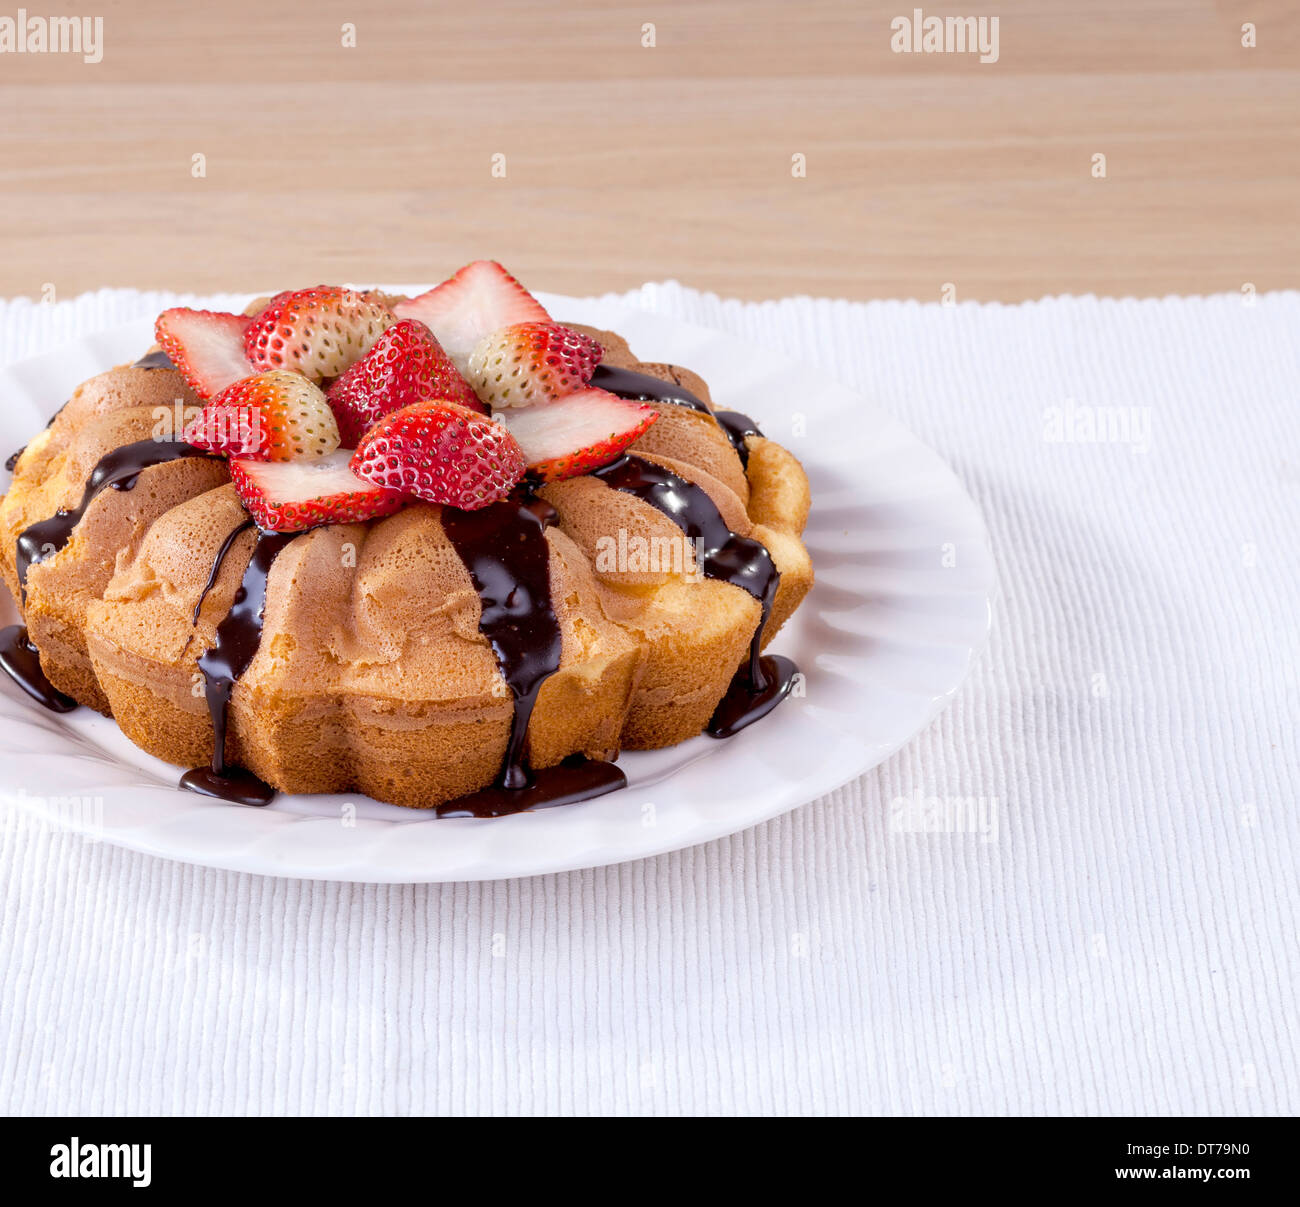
{"points": [[1120, 938]]}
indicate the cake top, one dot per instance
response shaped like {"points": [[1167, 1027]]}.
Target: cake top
{"points": [[336, 405]]}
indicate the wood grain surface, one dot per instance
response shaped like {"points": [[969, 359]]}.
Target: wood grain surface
{"points": [[625, 162]]}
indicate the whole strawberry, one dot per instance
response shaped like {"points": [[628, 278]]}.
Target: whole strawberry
{"points": [[531, 362], [405, 365], [276, 416], [317, 332], [441, 452]]}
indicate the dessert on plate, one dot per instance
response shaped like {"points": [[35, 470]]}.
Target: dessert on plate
{"points": [[444, 550]]}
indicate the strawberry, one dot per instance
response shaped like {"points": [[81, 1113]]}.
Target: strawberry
{"points": [[531, 362], [275, 416], [481, 298], [316, 332], [289, 496], [206, 346], [405, 365], [441, 452], [578, 433]]}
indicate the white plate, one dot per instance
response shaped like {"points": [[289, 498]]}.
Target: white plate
{"points": [[901, 605]]}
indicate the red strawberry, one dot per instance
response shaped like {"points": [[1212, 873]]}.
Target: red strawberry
{"points": [[441, 452], [405, 365], [531, 362], [206, 346], [578, 433], [481, 298], [289, 496], [316, 332], [274, 416]]}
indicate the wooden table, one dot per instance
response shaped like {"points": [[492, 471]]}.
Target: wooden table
{"points": [[625, 162]]}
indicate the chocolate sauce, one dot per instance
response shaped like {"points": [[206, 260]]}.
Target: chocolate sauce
{"points": [[575, 779], [641, 387], [238, 637], [743, 703], [504, 548], [231, 538], [728, 557], [737, 428], [157, 359], [21, 660], [119, 469]]}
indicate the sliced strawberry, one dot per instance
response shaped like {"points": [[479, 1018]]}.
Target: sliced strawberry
{"points": [[275, 416], [577, 434], [481, 298], [441, 452], [405, 365], [316, 332], [206, 346], [289, 496], [531, 362]]}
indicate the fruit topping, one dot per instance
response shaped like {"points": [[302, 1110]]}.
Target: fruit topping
{"points": [[405, 365], [531, 362], [206, 346], [317, 332], [480, 299], [289, 496], [275, 416], [578, 433], [441, 452]]}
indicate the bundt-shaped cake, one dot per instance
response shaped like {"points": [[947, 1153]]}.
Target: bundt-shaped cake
{"points": [[481, 656]]}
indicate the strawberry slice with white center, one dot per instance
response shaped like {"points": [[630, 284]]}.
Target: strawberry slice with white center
{"points": [[578, 433], [317, 332], [405, 365], [441, 452], [531, 362], [480, 299], [291, 496], [273, 416], [206, 346]]}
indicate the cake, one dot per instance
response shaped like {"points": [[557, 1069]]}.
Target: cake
{"points": [[444, 550]]}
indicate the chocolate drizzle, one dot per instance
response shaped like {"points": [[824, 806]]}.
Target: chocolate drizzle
{"points": [[21, 660], [738, 428], [238, 637], [119, 469], [641, 387], [226, 545], [504, 548], [728, 557], [157, 359]]}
